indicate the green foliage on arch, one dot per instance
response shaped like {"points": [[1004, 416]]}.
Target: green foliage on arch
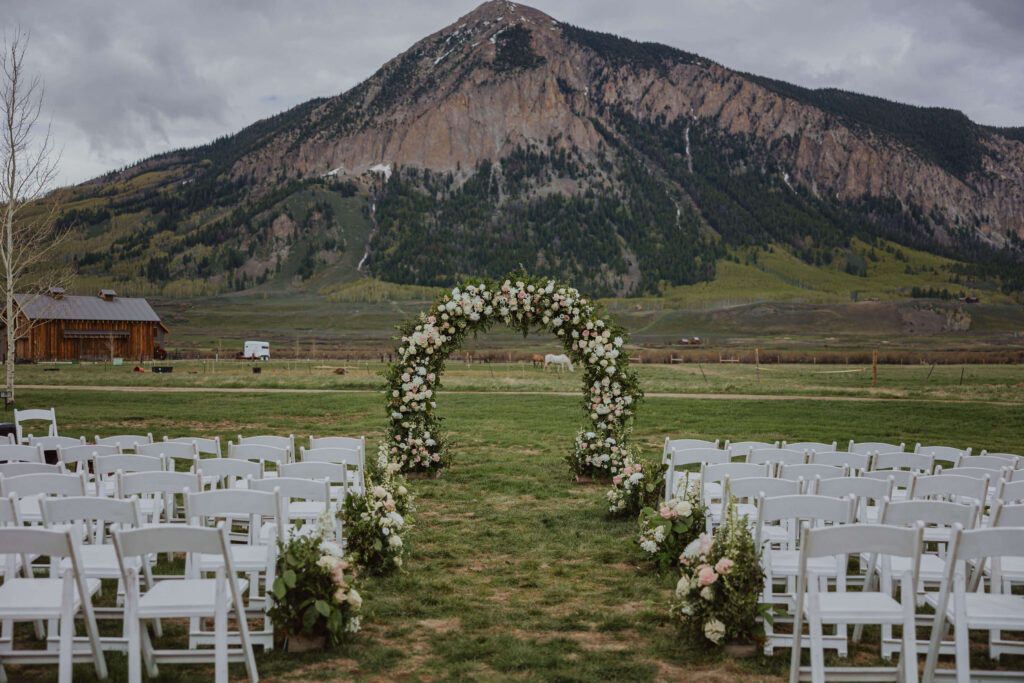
{"points": [[593, 342]]}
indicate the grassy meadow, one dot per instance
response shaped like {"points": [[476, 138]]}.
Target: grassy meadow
{"points": [[515, 571]]}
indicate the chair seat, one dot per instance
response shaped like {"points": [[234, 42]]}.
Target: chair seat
{"points": [[100, 561], [859, 607], [246, 558], [38, 598], [990, 610], [302, 509], [183, 598], [933, 567], [1010, 568]]}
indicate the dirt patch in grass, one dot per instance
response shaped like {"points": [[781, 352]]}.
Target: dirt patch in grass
{"points": [[336, 668], [596, 641], [442, 625], [724, 673]]}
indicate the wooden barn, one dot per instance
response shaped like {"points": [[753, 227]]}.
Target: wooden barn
{"points": [[68, 327]]}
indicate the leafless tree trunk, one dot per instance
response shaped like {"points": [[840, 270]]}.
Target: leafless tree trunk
{"points": [[30, 235]]}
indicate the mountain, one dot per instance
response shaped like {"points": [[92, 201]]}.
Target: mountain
{"points": [[509, 138]]}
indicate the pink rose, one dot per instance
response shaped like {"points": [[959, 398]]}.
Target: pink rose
{"points": [[666, 513], [724, 566], [706, 542], [436, 457], [706, 575], [616, 480]]}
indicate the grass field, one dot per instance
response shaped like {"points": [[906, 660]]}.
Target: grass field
{"points": [[514, 571]]}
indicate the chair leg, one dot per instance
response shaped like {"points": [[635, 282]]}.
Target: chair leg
{"points": [[908, 658], [148, 658], [67, 628], [132, 626], [817, 645], [220, 628]]}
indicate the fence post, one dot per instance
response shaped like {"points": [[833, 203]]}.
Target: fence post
{"points": [[874, 368]]}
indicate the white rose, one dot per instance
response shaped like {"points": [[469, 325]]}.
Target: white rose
{"points": [[355, 599], [708, 593], [379, 492], [395, 541]]}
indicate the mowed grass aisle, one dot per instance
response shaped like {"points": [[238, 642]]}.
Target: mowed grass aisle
{"points": [[514, 570]]}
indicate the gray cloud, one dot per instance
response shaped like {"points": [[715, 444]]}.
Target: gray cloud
{"points": [[127, 80]]}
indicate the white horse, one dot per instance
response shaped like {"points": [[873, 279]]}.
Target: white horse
{"points": [[561, 360]]}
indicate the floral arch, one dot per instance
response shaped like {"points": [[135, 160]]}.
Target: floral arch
{"points": [[592, 341]]}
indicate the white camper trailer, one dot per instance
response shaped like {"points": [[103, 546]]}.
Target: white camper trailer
{"points": [[256, 350]]}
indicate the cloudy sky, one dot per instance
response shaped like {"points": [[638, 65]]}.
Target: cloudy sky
{"points": [[126, 79]]}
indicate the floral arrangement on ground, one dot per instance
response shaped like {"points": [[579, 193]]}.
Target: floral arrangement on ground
{"points": [[314, 594], [670, 527], [525, 303], [717, 597], [638, 485], [376, 522]]}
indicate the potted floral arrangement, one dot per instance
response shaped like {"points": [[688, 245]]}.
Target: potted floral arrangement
{"points": [[376, 522], [638, 484], [717, 597], [667, 529], [314, 600]]}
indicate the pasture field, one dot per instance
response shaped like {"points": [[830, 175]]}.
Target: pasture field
{"points": [[993, 383], [513, 570]]}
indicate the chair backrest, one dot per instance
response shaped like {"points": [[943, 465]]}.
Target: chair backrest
{"points": [[14, 469], [257, 505], [45, 414], [942, 452], [680, 457], [174, 538], [741, 449], [95, 511], [680, 444], [987, 462], [1005, 514], [126, 442], [1010, 491], [751, 488], [358, 443], [179, 450], [980, 545], [862, 487], [106, 465], [841, 541], [816, 446], [792, 510], [292, 488], [21, 453], [930, 512], [855, 461], [258, 451], [228, 471], [784, 456], [49, 443], [809, 472], [950, 487], [1008, 456], [902, 479], [971, 472], [163, 482], [920, 463], [335, 473], [285, 442], [734, 470], [874, 446], [19, 542], [9, 514], [205, 446], [47, 484], [80, 455], [351, 457]]}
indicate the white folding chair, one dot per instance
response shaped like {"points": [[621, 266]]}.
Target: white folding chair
{"points": [[30, 488], [104, 468], [712, 478], [285, 442], [262, 453], [1008, 571], [939, 515], [942, 452], [126, 442], [156, 490], [972, 607], [192, 597], [79, 458], [257, 557], [1010, 492], [856, 462], [809, 472], [949, 487], [903, 467], [745, 492], [776, 456], [682, 460], [1009, 456], [816, 446], [172, 452], [204, 445], [682, 444], [14, 469], [305, 500], [996, 463], [352, 459], [46, 415], [21, 453], [741, 449], [60, 597], [228, 473], [868, 492], [874, 447], [335, 473], [778, 524], [358, 443], [818, 605]]}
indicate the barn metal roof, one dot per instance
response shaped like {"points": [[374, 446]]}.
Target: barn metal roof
{"points": [[70, 307]]}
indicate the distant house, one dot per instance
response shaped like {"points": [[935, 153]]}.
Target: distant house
{"points": [[69, 327]]}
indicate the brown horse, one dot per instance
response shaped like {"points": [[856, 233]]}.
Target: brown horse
{"points": [[538, 360]]}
